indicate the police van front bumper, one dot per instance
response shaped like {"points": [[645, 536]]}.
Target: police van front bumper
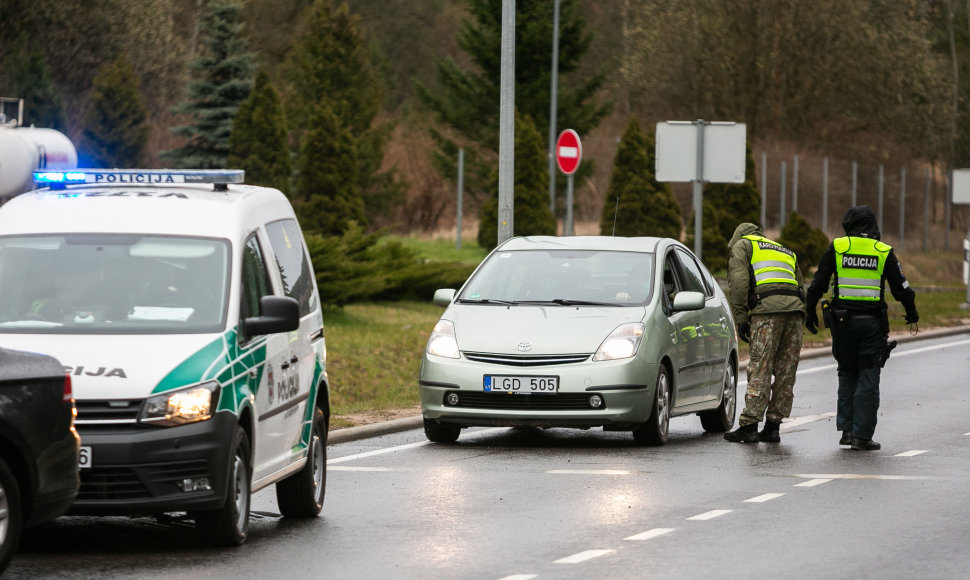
{"points": [[144, 471]]}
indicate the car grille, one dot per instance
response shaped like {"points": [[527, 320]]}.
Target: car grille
{"points": [[532, 360], [504, 401], [128, 482], [107, 412]]}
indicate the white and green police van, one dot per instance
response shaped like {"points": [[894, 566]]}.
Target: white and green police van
{"points": [[184, 307]]}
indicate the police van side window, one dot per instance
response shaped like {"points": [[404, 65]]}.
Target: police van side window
{"points": [[692, 273], [291, 258], [256, 283]]}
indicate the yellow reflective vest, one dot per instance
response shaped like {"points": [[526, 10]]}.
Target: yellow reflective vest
{"points": [[771, 262], [859, 264]]}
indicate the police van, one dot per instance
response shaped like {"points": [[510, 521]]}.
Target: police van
{"points": [[184, 307]]}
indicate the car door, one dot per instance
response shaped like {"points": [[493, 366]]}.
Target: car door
{"points": [[713, 320], [689, 364], [267, 358]]}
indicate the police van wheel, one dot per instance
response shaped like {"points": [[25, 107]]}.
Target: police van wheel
{"points": [[11, 515], [229, 525], [440, 432], [654, 430], [722, 419], [301, 494]]}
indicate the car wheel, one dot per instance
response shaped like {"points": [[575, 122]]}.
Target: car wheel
{"points": [[721, 419], [654, 430], [440, 432], [11, 515], [229, 525], [301, 494]]}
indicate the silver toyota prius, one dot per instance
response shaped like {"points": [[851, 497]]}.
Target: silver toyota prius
{"points": [[584, 331]]}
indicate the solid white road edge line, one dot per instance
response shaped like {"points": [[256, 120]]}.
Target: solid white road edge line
{"points": [[402, 447], [583, 556]]}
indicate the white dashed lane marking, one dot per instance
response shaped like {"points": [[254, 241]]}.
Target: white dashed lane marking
{"points": [[519, 577], [709, 515], [911, 453], [860, 476], [583, 556], [813, 482], [649, 534], [764, 498], [589, 472]]}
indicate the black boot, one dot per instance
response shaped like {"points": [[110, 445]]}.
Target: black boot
{"points": [[846, 438], [865, 445], [770, 433], [743, 434]]}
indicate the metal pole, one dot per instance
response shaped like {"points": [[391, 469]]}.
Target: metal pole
{"points": [[825, 195], [699, 189], [781, 211], [902, 207], [506, 146], [553, 108], [764, 189], [794, 185], [855, 180], [569, 204], [461, 187], [926, 213], [879, 203], [946, 211]]}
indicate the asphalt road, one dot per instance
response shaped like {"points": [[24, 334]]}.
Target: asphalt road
{"points": [[525, 503]]}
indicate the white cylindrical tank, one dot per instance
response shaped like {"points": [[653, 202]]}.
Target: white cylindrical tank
{"points": [[24, 150]]}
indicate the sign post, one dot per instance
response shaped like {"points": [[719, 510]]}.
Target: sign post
{"points": [[569, 153]]}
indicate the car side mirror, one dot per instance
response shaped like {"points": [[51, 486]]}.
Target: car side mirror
{"points": [[276, 314], [443, 296], [688, 301]]}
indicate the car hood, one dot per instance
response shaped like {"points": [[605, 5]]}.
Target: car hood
{"points": [[127, 367], [546, 329]]}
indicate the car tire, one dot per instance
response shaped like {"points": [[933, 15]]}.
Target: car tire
{"points": [[11, 515], [441, 433], [229, 525], [654, 430], [301, 494], [722, 419]]}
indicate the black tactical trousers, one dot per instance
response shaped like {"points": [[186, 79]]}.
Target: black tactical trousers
{"points": [[858, 349]]}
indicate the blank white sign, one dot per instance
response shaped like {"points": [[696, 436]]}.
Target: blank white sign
{"points": [[961, 186], [724, 152]]}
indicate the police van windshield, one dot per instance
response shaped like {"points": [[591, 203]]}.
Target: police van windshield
{"points": [[112, 284]]}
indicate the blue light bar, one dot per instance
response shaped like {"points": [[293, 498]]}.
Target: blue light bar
{"points": [[60, 179]]}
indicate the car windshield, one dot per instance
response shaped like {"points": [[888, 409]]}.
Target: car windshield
{"points": [[564, 277], [112, 284]]}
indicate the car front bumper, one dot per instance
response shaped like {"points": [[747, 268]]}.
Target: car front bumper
{"points": [[625, 388]]}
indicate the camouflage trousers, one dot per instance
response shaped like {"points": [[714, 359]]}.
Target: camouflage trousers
{"points": [[774, 351]]}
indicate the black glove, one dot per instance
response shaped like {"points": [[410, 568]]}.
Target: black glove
{"points": [[811, 321], [744, 331], [912, 317]]}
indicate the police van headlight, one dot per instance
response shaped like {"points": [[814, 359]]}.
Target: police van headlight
{"points": [[180, 407]]}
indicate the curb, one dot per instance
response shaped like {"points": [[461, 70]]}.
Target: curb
{"points": [[407, 423]]}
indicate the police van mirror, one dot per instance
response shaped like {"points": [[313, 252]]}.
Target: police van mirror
{"points": [[443, 296], [276, 314], [688, 301]]}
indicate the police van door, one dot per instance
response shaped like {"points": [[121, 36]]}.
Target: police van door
{"points": [[273, 350]]}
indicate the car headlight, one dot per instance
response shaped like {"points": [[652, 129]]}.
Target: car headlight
{"points": [[181, 407], [442, 341], [621, 343]]}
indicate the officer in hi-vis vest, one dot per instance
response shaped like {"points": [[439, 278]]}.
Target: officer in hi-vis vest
{"points": [[858, 320], [765, 293]]}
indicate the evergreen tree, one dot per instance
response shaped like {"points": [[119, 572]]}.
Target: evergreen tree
{"points": [[221, 81], [531, 215], [731, 204], [807, 242], [714, 250], [31, 81], [330, 64], [646, 207], [468, 104], [327, 188], [115, 132], [258, 142]]}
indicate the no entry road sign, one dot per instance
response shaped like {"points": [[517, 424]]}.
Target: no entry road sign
{"points": [[569, 151]]}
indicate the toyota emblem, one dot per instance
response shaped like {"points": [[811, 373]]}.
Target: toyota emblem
{"points": [[524, 346]]}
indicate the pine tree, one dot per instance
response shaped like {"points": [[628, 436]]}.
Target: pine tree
{"points": [[31, 81], [468, 104], [646, 207], [327, 189], [221, 81], [807, 242], [330, 64], [531, 215], [115, 131], [258, 141]]}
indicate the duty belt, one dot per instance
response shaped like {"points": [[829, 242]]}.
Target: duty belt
{"points": [[759, 296]]}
